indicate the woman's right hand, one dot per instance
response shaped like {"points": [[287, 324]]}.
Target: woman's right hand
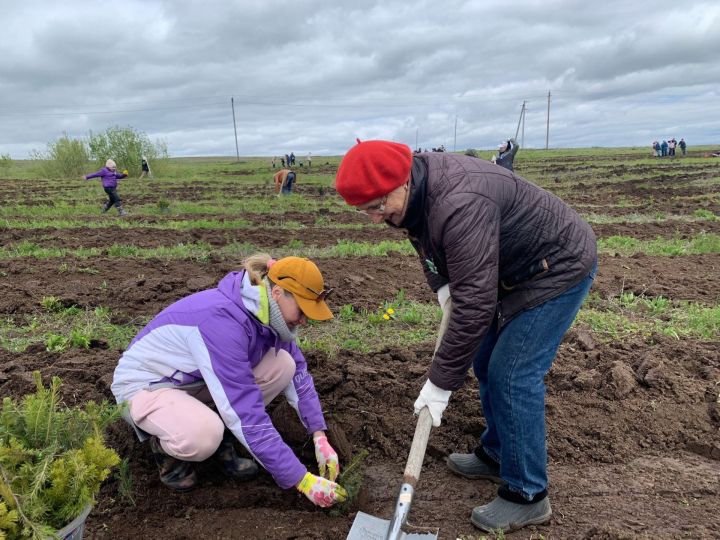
{"points": [[321, 491]]}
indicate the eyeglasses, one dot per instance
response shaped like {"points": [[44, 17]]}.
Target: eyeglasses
{"points": [[375, 208], [322, 295]]}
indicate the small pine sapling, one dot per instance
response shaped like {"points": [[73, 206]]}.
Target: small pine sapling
{"points": [[52, 460], [351, 478]]}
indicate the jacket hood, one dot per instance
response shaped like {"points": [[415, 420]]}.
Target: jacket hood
{"points": [[236, 286]]}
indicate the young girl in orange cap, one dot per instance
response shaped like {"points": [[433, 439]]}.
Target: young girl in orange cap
{"points": [[200, 375]]}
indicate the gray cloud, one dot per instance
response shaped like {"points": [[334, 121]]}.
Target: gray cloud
{"points": [[308, 75]]}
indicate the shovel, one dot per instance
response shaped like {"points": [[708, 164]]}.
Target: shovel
{"points": [[367, 527]]}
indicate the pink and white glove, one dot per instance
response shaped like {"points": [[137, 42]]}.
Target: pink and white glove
{"points": [[321, 491], [327, 458]]}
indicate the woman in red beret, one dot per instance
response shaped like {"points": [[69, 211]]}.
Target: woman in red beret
{"points": [[511, 264]]}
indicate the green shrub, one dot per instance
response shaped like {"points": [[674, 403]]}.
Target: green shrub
{"points": [[64, 158], [126, 146], [52, 461]]}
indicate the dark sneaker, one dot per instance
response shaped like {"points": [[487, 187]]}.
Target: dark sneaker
{"points": [[233, 465], [176, 474], [471, 466], [510, 516]]}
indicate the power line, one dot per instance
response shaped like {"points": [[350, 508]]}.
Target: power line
{"points": [[349, 102]]}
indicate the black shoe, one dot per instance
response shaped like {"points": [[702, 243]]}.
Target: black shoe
{"points": [[233, 465], [176, 474]]}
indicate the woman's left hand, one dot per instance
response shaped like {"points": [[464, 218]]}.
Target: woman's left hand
{"points": [[326, 457]]}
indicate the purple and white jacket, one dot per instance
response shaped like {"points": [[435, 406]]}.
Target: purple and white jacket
{"points": [[109, 178], [216, 337]]}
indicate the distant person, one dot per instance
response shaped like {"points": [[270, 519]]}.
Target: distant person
{"points": [[309, 159], [201, 374], [292, 159], [284, 181], [672, 143], [109, 177], [664, 148], [288, 163], [282, 162], [507, 151], [656, 148], [145, 168], [683, 146], [273, 161]]}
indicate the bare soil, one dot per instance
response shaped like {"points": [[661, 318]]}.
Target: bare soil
{"points": [[633, 426]]}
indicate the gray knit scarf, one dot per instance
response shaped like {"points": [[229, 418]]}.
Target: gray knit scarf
{"points": [[277, 322]]}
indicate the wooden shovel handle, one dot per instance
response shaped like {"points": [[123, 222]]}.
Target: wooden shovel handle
{"points": [[424, 423], [417, 449]]}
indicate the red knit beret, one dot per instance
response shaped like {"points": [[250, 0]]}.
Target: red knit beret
{"points": [[372, 169]]}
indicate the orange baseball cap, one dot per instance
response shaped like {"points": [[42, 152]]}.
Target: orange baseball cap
{"points": [[303, 279]]}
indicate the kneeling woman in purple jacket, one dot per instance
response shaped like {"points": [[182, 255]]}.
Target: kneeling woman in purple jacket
{"points": [[201, 373], [109, 177]]}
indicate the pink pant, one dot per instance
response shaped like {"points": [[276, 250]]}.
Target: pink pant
{"points": [[186, 427]]}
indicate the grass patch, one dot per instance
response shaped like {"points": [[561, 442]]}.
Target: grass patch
{"points": [[202, 251], [60, 328], [368, 331], [627, 314], [627, 246]]}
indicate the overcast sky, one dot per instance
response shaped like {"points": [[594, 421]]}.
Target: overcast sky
{"points": [[311, 75]]}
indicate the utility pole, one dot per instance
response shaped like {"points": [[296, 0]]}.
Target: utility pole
{"points": [[416, 137], [523, 128], [455, 139], [520, 119], [547, 129], [237, 150]]}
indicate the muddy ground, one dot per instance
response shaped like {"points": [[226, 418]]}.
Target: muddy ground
{"points": [[633, 425]]}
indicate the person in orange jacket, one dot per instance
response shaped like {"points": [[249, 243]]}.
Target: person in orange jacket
{"points": [[284, 180]]}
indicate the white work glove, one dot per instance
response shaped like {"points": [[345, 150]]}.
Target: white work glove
{"points": [[435, 399]]}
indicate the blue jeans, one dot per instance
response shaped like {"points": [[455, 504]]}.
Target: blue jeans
{"points": [[287, 188], [510, 367]]}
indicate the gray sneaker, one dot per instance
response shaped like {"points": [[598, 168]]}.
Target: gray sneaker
{"points": [[471, 466], [510, 516]]}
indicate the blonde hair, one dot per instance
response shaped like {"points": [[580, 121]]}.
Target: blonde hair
{"points": [[256, 266]]}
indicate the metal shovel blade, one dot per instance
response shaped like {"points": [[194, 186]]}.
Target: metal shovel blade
{"points": [[367, 527]]}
